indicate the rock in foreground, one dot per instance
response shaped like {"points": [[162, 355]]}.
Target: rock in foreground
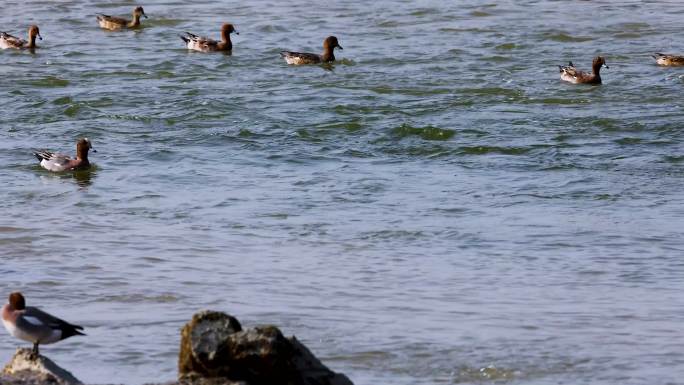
{"points": [[25, 369], [214, 348]]}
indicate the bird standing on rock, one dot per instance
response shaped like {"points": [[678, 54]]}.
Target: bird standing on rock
{"points": [[34, 325]]}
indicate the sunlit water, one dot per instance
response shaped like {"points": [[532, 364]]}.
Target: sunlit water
{"points": [[436, 207]]}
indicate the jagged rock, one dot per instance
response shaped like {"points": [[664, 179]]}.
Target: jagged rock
{"points": [[25, 369], [200, 339], [215, 348]]}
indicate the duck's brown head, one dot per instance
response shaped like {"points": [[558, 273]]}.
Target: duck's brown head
{"points": [[139, 11], [17, 301], [330, 42], [82, 147], [228, 29], [599, 62], [33, 31]]}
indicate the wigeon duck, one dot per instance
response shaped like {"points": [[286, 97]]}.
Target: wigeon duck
{"points": [[9, 41], [204, 44], [114, 23], [570, 74], [298, 58], [34, 325], [668, 60], [59, 162]]}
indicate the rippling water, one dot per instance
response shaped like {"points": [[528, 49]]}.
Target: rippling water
{"points": [[436, 207]]}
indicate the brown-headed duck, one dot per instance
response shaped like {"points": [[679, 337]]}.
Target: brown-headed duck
{"points": [[204, 44], [9, 41], [34, 325], [59, 162], [571, 74], [299, 58], [116, 23]]}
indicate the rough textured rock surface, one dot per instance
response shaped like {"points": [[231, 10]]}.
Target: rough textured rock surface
{"points": [[200, 340], [215, 348], [25, 369]]}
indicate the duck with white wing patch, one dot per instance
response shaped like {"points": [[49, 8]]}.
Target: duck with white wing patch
{"points": [[34, 325], [54, 161]]}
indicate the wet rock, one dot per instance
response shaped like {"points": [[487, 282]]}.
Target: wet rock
{"points": [[25, 369], [200, 342], [215, 348]]}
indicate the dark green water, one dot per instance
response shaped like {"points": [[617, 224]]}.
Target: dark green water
{"points": [[436, 207]]}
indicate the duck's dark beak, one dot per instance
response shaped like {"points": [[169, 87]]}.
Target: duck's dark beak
{"points": [[606, 65], [339, 46], [145, 15], [236, 32], [40, 37], [92, 149]]}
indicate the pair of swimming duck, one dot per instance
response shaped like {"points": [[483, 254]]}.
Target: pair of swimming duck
{"points": [[192, 41], [204, 44], [571, 74]]}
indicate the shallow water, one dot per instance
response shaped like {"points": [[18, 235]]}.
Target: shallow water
{"points": [[434, 208]]}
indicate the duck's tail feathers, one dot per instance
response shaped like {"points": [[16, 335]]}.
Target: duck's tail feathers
{"points": [[72, 330], [42, 155]]}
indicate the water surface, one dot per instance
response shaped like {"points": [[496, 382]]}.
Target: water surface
{"points": [[436, 207]]}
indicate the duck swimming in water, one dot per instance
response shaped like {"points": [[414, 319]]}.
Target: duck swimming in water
{"points": [[571, 74], [60, 162], [113, 23], [204, 44], [299, 58], [13, 42]]}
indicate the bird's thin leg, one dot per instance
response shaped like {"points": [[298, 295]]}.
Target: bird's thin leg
{"points": [[35, 350]]}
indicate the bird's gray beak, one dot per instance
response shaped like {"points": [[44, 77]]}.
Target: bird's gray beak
{"points": [[40, 37], [606, 65], [339, 46], [236, 32], [145, 15]]}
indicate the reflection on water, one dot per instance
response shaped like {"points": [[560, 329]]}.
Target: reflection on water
{"points": [[84, 178]]}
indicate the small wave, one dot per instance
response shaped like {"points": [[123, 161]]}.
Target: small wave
{"points": [[482, 150], [49, 82], [488, 373], [135, 298], [427, 133], [565, 38]]}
